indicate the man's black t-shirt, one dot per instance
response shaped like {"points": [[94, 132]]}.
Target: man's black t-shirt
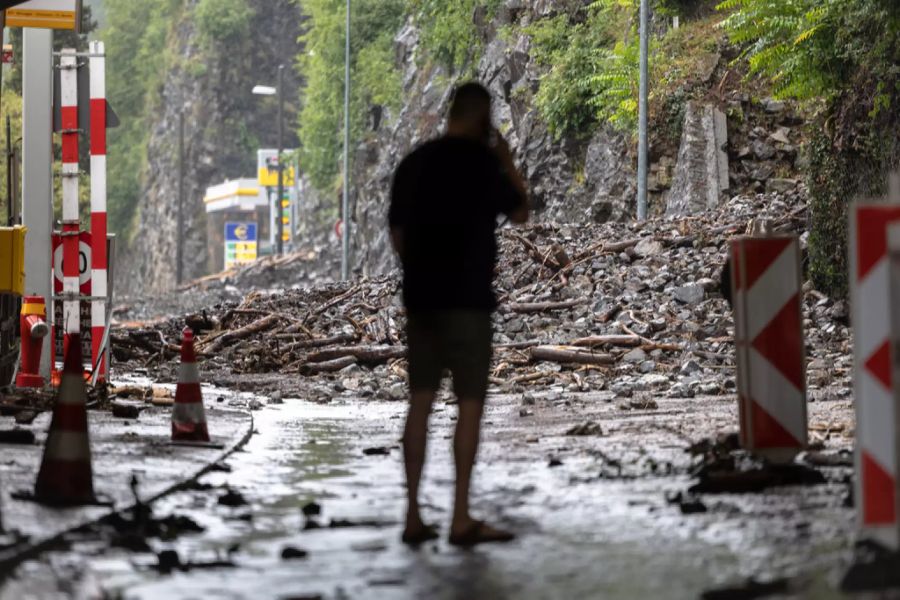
{"points": [[446, 198]]}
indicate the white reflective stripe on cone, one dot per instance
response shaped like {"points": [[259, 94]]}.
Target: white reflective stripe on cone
{"points": [[71, 389], [189, 413], [188, 373], [68, 445]]}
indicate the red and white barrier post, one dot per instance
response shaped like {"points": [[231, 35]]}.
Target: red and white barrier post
{"points": [[877, 446], [70, 219], [99, 266], [771, 355]]}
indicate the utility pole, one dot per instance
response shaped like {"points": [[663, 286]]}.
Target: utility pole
{"points": [[279, 201], [179, 250], [345, 208], [37, 174], [643, 112]]}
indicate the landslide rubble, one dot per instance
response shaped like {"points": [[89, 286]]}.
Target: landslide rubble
{"points": [[632, 309]]}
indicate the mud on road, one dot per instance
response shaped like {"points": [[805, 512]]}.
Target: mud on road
{"points": [[596, 490]]}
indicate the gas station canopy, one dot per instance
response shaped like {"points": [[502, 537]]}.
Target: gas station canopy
{"points": [[237, 195]]}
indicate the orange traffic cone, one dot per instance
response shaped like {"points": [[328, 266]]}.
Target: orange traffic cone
{"points": [[65, 477], [188, 416]]}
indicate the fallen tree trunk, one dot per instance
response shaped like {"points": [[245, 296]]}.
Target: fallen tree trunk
{"points": [[341, 338], [571, 354], [240, 334], [328, 366], [627, 341], [535, 307], [365, 354]]}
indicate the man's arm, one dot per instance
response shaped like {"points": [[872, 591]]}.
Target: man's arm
{"points": [[397, 240], [518, 215], [399, 205]]}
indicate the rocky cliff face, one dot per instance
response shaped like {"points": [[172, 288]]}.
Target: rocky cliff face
{"points": [[224, 125], [573, 181]]}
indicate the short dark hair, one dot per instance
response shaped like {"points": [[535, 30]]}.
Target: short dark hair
{"points": [[470, 99]]}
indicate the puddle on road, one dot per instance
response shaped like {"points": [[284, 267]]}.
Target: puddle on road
{"points": [[597, 539]]}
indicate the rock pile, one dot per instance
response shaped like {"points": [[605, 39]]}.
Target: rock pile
{"points": [[634, 309]]}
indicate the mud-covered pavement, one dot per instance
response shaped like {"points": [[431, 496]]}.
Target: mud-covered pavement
{"points": [[597, 514]]}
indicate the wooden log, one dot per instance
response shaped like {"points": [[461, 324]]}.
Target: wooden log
{"points": [[536, 307], [626, 341], [610, 313], [571, 354], [328, 366], [239, 334], [520, 345], [365, 354], [620, 246], [337, 300], [543, 258], [342, 338]]}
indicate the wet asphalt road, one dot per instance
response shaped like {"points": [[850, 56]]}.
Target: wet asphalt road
{"points": [[597, 526]]}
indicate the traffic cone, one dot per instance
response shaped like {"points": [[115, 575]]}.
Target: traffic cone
{"points": [[65, 477], [188, 415]]}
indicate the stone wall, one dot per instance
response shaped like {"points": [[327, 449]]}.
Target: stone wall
{"points": [[573, 181]]}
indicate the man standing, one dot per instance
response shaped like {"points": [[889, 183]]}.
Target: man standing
{"points": [[446, 198]]}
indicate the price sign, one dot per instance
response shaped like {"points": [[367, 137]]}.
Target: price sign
{"points": [[241, 244]]}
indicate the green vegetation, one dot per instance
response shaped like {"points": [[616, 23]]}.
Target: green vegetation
{"points": [[840, 57], [12, 108], [813, 48], [448, 30], [222, 21], [136, 36], [592, 70], [376, 80]]}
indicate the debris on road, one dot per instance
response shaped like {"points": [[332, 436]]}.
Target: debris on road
{"points": [[633, 308], [17, 436], [291, 553], [232, 498]]}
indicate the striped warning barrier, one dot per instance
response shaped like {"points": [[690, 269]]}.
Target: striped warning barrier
{"points": [[99, 268], [770, 348], [71, 223], [876, 413]]}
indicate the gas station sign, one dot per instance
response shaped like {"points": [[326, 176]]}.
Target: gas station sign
{"points": [[267, 169], [241, 244]]}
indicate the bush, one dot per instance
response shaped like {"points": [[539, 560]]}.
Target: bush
{"points": [[449, 32], [374, 73], [221, 21]]}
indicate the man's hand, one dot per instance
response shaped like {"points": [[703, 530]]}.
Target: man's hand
{"points": [[501, 148]]}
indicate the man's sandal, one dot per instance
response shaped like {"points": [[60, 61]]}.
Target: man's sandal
{"points": [[424, 534], [480, 533]]}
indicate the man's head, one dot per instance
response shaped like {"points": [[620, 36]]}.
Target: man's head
{"points": [[470, 112]]}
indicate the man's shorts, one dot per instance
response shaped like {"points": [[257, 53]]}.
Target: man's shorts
{"points": [[458, 340]]}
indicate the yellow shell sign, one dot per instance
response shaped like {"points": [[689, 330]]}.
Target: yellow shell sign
{"points": [[267, 169], [45, 14]]}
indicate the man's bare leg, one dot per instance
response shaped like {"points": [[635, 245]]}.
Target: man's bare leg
{"points": [[464, 529], [465, 449], [415, 437]]}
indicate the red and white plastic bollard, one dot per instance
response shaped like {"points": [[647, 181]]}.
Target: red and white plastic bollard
{"points": [[771, 355], [877, 443], [99, 266], [33, 327]]}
